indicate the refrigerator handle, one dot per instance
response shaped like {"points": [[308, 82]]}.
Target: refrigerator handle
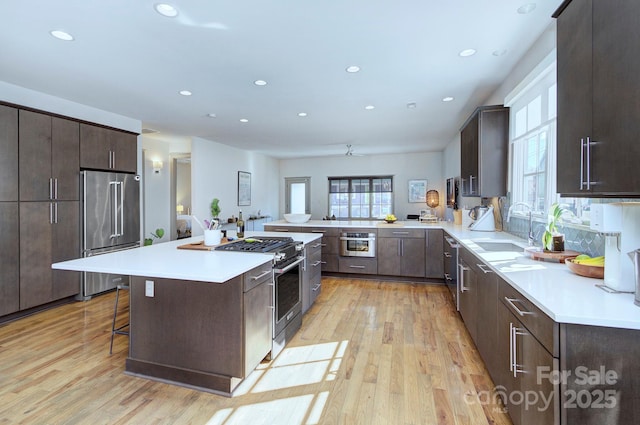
{"points": [[121, 185], [114, 186]]}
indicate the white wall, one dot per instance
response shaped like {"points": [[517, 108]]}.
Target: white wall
{"points": [[214, 174], [156, 189], [183, 185], [403, 167]]}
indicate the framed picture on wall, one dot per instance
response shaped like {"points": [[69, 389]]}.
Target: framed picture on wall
{"points": [[417, 191], [244, 188]]}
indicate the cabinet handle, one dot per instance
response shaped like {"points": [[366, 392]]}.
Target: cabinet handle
{"points": [[261, 275], [471, 184], [447, 276], [356, 267], [317, 245], [323, 262], [399, 233], [280, 230], [446, 254], [114, 159], [514, 331], [581, 164], [55, 188], [401, 247], [318, 231], [316, 287], [50, 212], [461, 275], [55, 219], [484, 269], [50, 188], [317, 263], [511, 302]]}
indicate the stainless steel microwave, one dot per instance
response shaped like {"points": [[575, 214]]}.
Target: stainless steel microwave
{"points": [[357, 244]]}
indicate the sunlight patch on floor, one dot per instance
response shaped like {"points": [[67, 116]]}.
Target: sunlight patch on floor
{"points": [[292, 410]]}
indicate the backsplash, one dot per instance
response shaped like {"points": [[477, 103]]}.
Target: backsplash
{"points": [[576, 239]]}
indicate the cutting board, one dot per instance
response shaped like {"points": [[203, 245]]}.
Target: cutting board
{"points": [[539, 254], [200, 246]]}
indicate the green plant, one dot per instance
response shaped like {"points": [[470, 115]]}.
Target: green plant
{"points": [[555, 216], [157, 235], [215, 208]]}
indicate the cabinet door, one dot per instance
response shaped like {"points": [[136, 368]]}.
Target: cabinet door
{"points": [[537, 367], [35, 253], [9, 256], [257, 325], [434, 261], [35, 156], [95, 147], [65, 158], [8, 153], [413, 255], [389, 256], [468, 298], [469, 157], [487, 284], [616, 90], [505, 381], [125, 151], [575, 92], [66, 246]]}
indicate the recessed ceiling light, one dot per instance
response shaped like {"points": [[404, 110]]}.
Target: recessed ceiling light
{"points": [[302, 114], [211, 115], [244, 120], [166, 10], [411, 105], [499, 52], [467, 52], [61, 35], [353, 69], [185, 92], [369, 107], [526, 8], [447, 99], [260, 82]]}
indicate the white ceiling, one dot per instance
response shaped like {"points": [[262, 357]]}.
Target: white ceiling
{"points": [[128, 59]]}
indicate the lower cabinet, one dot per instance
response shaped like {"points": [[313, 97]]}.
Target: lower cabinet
{"points": [[49, 233], [311, 274], [360, 265], [401, 252], [9, 257], [468, 294], [434, 260]]}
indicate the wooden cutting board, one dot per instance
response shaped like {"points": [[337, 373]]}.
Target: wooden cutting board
{"points": [[200, 246], [539, 254]]}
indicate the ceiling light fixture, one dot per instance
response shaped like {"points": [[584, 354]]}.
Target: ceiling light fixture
{"points": [[260, 82], [526, 8], [447, 99], [352, 69], [61, 35], [185, 92], [302, 114], [211, 115], [411, 105], [166, 10], [369, 107], [244, 120], [467, 52]]}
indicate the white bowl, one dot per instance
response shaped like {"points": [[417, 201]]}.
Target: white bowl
{"points": [[297, 218]]}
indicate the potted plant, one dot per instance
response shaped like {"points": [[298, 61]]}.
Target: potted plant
{"points": [[215, 208], [158, 235], [552, 240]]}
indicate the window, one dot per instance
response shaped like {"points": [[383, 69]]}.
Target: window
{"points": [[360, 197], [297, 195]]}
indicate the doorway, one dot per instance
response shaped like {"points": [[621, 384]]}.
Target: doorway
{"points": [[181, 196], [297, 199]]}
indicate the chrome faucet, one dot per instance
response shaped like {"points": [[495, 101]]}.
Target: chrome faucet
{"points": [[530, 238]]}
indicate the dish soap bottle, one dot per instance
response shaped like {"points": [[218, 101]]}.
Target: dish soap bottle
{"points": [[240, 226]]}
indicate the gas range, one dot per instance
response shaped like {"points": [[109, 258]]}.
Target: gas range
{"points": [[284, 248]]}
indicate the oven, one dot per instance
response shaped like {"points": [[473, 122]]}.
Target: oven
{"points": [[287, 282], [356, 244]]}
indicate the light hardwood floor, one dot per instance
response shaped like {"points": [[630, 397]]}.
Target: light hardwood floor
{"points": [[369, 352]]}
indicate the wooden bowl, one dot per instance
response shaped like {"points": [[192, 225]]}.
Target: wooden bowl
{"points": [[596, 272], [390, 221]]}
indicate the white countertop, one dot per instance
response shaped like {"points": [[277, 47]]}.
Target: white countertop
{"points": [[563, 295], [165, 260]]}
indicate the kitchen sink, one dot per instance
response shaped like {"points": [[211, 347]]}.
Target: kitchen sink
{"points": [[500, 246]]}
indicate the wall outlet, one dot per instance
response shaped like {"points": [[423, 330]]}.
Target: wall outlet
{"points": [[148, 288]]}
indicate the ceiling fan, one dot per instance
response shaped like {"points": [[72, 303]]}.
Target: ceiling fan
{"points": [[350, 152]]}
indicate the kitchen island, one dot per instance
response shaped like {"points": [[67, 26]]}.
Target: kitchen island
{"points": [[201, 319]]}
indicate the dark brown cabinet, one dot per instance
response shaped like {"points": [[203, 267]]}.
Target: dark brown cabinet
{"points": [[484, 144], [434, 261], [9, 257], [487, 311], [311, 274], [8, 153], [598, 92], [468, 293], [401, 252], [107, 149], [49, 157], [49, 232]]}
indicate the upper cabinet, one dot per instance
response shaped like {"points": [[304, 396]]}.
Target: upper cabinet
{"points": [[484, 144], [8, 153], [598, 92], [49, 159], [106, 149]]}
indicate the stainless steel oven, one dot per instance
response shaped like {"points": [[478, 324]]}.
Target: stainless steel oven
{"points": [[287, 281], [357, 244]]}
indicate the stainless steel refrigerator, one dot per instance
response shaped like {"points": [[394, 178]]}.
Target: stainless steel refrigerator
{"points": [[110, 222]]}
